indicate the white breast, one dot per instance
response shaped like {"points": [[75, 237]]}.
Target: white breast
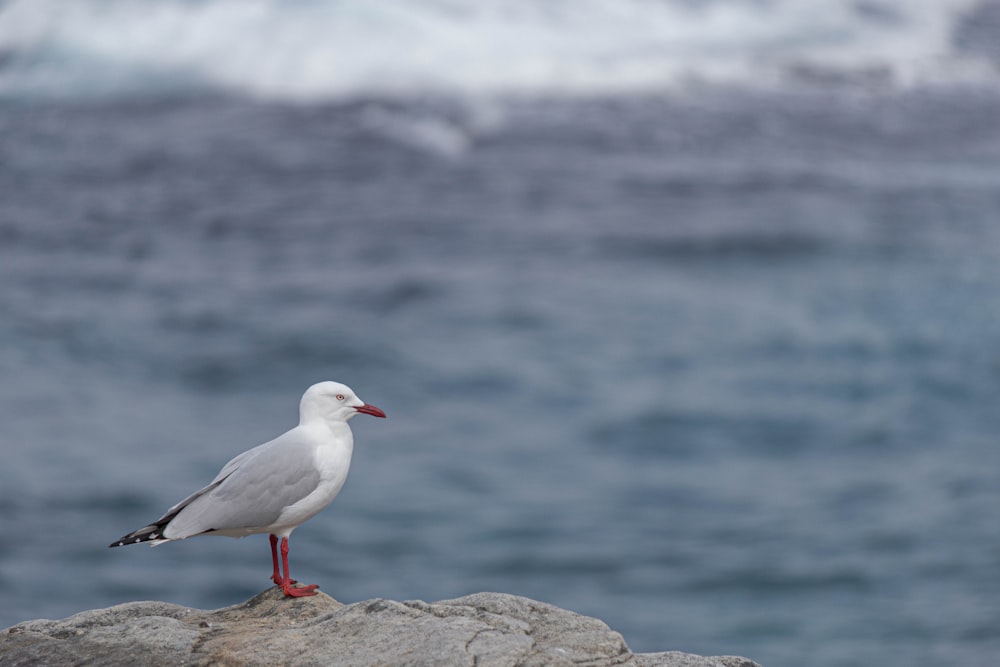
{"points": [[333, 461]]}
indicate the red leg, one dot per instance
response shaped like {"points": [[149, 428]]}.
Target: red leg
{"points": [[287, 581], [276, 577]]}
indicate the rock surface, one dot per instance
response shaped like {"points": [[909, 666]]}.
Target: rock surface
{"points": [[485, 629]]}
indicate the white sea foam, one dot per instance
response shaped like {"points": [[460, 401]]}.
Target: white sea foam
{"points": [[330, 49]]}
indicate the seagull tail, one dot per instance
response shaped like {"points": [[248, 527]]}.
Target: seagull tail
{"points": [[152, 533]]}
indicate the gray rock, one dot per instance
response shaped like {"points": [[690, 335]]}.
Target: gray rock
{"points": [[485, 630]]}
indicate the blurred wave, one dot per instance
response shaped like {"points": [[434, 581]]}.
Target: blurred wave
{"points": [[329, 49]]}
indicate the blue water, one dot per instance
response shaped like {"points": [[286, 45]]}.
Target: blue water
{"points": [[717, 362]]}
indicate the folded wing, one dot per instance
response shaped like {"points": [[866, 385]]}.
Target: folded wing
{"points": [[250, 492]]}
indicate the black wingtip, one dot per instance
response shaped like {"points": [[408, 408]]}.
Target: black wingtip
{"points": [[144, 534], [122, 542]]}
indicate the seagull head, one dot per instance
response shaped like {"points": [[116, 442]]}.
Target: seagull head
{"points": [[333, 401]]}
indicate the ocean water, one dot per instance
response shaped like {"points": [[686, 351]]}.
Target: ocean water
{"points": [[685, 315]]}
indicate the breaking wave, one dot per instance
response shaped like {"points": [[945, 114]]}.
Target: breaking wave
{"points": [[340, 49]]}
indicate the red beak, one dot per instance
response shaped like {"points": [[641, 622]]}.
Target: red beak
{"points": [[371, 410]]}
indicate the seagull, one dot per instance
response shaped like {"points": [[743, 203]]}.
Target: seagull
{"points": [[275, 487]]}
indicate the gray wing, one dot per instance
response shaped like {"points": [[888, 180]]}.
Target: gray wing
{"points": [[251, 490]]}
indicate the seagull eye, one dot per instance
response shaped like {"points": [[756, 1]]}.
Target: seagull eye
{"points": [[340, 397]]}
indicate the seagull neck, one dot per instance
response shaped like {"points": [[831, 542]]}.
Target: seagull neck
{"points": [[336, 427]]}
